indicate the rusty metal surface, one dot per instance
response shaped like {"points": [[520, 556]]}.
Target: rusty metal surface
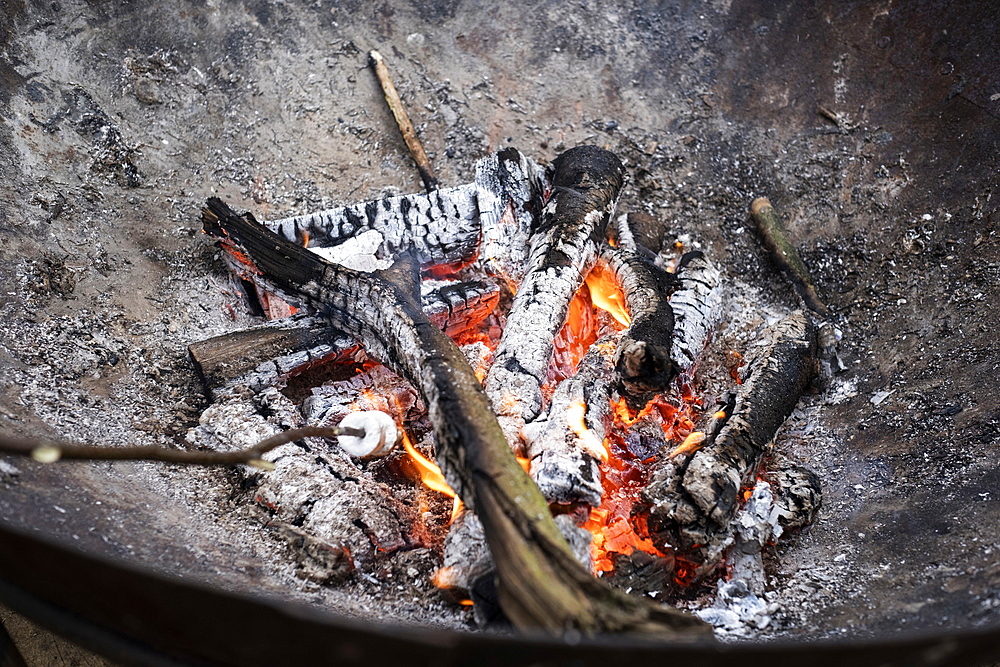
{"points": [[270, 105]]}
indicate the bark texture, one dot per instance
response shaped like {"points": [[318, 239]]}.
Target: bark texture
{"points": [[692, 499]]}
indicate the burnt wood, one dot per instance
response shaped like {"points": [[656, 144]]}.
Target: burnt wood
{"points": [[692, 499], [541, 584], [643, 357], [586, 182]]}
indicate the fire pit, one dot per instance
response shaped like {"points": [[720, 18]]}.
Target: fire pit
{"points": [[103, 302]]}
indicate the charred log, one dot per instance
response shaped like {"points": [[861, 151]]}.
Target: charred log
{"points": [[696, 305], [269, 354], [692, 499], [541, 584], [586, 182], [643, 358]]}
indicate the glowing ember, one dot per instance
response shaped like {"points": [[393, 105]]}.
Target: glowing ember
{"points": [[616, 529]]}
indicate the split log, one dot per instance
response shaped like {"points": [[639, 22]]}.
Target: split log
{"points": [[441, 227], [541, 584], [586, 182], [692, 498]]}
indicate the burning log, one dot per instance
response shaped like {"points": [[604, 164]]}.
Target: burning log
{"points": [[586, 182], [541, 584], [566, 446], [643, 357], [490, 219], [692, 498], [269, 354]]}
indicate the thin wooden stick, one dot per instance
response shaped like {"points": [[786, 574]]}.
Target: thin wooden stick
{"points": [[784, 253], [48, 451], [403, 121]]}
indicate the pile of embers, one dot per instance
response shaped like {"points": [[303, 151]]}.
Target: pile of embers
{"points": [[596, 359]]}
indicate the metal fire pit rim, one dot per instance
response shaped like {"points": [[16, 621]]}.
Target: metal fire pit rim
{"points": [[45, 580]]}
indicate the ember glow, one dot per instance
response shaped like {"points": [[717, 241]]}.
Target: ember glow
{"points": [[617, 530]]}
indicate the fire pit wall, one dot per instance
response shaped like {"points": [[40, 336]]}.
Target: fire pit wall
{"points": [[874, 132]]}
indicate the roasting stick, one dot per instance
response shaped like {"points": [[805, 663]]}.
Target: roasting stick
{"points": [[49, 451]]}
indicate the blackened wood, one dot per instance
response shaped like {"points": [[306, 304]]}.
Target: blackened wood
{"points": [[267, 354], [541, 584], [643, 357], [586, 182], [692, 499], [442, 227], [221, 358], [784, 253]]}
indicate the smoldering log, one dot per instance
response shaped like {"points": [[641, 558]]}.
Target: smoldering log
{"points": [[269, 354], [490, 219], [566, 445], [696, 304], [643, 360], [586, 182], [692, 499], [541, 584]]}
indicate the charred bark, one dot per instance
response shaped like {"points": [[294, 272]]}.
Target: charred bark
{"points": [[692, 499], [541, 584], [586, 182], [643, 358], [266, 355]]}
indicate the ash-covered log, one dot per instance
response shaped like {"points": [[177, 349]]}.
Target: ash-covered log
{"points": [[643, 357], [541, 585], [692, 498], [586, 182]]}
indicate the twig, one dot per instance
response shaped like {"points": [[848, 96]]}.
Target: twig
{"points": [[403, 121], [784, 253], [48, 451]]}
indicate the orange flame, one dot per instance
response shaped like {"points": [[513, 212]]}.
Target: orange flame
{"points": [[691, 444], [607, 294], [575, 419]]}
